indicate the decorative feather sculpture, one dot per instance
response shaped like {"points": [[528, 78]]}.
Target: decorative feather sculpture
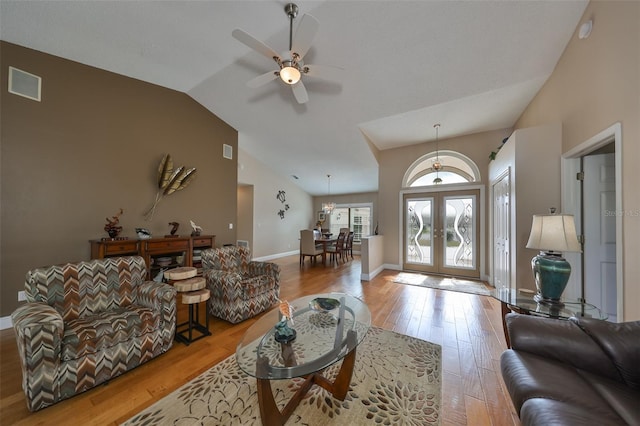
{"points": [[170, 181]]}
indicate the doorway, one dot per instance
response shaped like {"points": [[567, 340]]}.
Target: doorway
{"points": [[592, 175], [441, 231]]}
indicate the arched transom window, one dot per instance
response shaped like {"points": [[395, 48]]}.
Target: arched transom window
{"points": [[456, 168]]}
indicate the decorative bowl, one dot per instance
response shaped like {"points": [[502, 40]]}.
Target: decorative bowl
{"points": [[163, 261], [324, 304]]}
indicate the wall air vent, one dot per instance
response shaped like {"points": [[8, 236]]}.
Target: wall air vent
{"points": [[24, 84], [227, 151]]}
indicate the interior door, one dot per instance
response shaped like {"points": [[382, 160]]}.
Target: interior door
{"points": [[501, 232], [441, 232], [599, 197]]}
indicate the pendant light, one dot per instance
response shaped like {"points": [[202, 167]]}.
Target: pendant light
{"points": [[329, 206], [437, 165]]}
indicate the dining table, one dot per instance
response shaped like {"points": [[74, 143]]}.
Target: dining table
{"points": [[325, 241]]}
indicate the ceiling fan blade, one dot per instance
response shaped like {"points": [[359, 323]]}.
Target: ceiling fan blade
{"points": [[254, 43], [305, 34], [262, 79], [300, 92], [325, 72]]}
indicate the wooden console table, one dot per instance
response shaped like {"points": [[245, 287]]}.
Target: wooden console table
{"points": [[157, 252]]}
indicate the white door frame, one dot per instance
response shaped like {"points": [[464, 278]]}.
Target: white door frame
{"points": [[572, 204]]}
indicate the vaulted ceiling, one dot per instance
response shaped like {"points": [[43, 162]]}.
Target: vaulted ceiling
{"points": [[470, 65]]}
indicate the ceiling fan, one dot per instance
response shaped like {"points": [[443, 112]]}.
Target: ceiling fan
{"points": [[291, 66]]}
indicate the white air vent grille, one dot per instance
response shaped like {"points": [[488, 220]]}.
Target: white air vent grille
{"points": [[24, 84], [227, 151], [242, 243]]}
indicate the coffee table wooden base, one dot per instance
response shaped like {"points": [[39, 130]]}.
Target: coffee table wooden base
{"points": [[269, 411]]}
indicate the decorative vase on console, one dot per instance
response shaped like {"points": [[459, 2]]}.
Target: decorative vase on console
{"points": [[112, 227]]}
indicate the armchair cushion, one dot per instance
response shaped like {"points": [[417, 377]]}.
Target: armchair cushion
{"points": [[90, 335], [240, 288], [87, 322]]}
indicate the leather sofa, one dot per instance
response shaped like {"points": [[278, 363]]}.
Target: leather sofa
{"points": [[87, 322], [579, 371]]}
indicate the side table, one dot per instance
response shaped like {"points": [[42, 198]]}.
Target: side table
{"points": [[194, 292], [522, 302]]}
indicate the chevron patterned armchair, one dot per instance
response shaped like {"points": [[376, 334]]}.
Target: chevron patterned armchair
{"points": [[240, 288], [87, 322]]}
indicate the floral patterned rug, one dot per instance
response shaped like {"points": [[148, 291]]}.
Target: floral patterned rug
{"points": [[396, 381], [443, 283]]}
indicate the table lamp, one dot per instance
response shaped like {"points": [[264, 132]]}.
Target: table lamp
{"points": [[552, 234]]}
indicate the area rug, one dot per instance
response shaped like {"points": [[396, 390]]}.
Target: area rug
{"points": [[443, 283], [396, 380]]}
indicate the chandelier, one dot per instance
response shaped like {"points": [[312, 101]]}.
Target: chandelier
{"points": [[437, 165], [328, 206]]}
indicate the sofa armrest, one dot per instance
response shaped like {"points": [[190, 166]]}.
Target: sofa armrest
{"points": [[160, 297], [39, 329], [224, 285], [560, 340]]}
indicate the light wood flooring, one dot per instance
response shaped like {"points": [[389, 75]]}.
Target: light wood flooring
{"points": [[467, 326]]}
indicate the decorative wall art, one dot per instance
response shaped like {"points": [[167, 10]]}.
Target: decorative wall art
{"points": [[170, 181], [282, 197]]}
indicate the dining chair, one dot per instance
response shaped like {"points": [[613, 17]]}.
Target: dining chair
{"points": [[316, 236], [337, 249], [348, 251], [308, 246]]}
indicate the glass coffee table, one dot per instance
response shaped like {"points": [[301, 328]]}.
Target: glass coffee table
{"points": [[328, 328], [522, 301]]}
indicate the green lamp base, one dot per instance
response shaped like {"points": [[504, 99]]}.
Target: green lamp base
{"points": [[551, 272]]}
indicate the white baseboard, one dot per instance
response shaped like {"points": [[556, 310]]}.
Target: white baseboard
{"points": [[369, 277], [392, 267], [276, 256], [5, 322]]}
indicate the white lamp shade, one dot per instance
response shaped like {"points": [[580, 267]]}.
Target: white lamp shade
{"points": [[290, 75], [553, 232]]}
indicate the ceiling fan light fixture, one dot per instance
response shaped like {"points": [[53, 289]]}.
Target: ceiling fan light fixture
{"points": [[289, 74]]}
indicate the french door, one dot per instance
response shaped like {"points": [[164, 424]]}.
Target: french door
{"points": [[441, 232]]}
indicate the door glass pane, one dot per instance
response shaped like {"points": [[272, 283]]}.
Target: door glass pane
{"points": [[460, 233], [419, 226]]}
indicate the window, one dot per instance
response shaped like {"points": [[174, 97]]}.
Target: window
{"points": [[457, 168], [356, 218]]}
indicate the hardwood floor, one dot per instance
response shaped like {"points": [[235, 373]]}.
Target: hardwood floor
{"points": [[467, 326]]}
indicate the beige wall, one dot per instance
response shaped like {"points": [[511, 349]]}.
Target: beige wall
{"points": [[91, 147], [394, 164], [271, 235], [245, 214], [595, 84]]}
